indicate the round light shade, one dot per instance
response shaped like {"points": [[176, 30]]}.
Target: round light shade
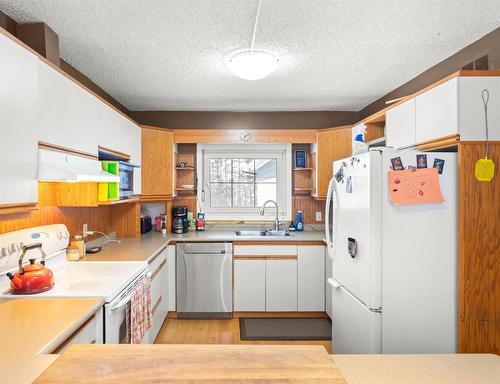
{"points": [[252, 65]]}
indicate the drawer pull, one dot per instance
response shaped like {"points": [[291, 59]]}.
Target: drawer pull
{"points": [[157, 271], [157, 304]]}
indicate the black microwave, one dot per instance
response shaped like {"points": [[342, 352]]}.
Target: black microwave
{"points": [[126, 173]]}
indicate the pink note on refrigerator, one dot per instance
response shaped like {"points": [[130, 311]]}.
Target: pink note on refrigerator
{"points": [[420, 186]]}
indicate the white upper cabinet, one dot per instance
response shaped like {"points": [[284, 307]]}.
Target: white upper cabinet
{"points": [[18, 123], [118, 133], [437, 112], [456, 108], [400, 125], [67, 113]]}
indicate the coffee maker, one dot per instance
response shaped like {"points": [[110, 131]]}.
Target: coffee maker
{"points": [[180, 220]]}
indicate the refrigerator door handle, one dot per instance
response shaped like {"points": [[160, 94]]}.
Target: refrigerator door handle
{"points": [[333, 283], [330, 195]]}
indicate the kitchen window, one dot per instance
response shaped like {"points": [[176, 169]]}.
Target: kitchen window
{"points": [[238, 179]]}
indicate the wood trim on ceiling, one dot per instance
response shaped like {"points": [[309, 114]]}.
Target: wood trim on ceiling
{"points": [[245, 136]]}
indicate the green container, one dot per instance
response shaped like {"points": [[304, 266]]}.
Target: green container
{"points": [[112, 189]]}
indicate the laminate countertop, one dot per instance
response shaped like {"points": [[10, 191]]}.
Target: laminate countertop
{"points": [[31, 329], [193, 364], [419, 369], [144, 248]]}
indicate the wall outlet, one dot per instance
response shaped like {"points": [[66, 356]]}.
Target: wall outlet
{"points": [[85, 229], [318, 216]]}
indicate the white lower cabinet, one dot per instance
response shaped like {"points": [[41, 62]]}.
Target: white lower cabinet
{"points": [[311, 278], [281, 284], [159, 292], [249, 285], [272, 278]]}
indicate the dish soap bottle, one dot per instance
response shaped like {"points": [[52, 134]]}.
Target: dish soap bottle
{"points": [[299, 225]]}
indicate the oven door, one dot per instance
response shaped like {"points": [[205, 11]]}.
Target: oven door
{"points": [[115, 322]]}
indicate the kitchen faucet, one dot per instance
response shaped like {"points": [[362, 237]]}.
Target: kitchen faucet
{"points": [[277, 222]]}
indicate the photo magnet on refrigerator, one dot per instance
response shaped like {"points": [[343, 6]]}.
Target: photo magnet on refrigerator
{"points": [[439, 164], [421, 161], [397, 164]]}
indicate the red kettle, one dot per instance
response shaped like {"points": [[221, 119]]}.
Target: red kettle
{"points": [[32, 278]]}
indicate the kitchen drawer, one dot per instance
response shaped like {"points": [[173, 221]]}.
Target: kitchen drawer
{"points": [[158, 318], [265, 250], [157, 268]]}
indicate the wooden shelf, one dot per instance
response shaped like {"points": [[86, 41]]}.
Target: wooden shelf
{"points": [[185, 190], [133, 199], [185, 168], [303, 169], [155, 198], [302, 189]]}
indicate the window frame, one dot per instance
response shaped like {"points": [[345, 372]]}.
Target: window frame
{"points": [[280, 152]]}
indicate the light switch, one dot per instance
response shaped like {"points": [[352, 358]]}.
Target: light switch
{"points": [[318, 216]]}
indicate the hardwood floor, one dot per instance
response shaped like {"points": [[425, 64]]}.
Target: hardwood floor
{"points": [[175, 331]]}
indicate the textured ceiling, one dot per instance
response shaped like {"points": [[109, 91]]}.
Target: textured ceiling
{"points": [[335, 55]]}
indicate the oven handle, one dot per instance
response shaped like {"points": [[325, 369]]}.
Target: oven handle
{"points": [[126, 299], [121, 303]]}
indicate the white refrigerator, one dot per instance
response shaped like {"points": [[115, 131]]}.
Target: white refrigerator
{"points": [[394, 267]]}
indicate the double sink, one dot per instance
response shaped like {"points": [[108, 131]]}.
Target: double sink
{"points": [[263, 233]]}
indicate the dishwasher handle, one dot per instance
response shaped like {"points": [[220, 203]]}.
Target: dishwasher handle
{"points": [[206, 253], [204, 248]]}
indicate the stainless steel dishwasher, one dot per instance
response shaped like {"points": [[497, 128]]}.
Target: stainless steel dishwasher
{"points": [[204, 280]]}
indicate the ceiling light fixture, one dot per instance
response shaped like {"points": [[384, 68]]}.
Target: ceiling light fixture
{"points": [[252, 64]]}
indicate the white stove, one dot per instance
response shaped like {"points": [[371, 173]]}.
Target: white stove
{"points": [[112, 281]]}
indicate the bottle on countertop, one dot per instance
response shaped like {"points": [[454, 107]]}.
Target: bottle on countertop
{"points": [[163, 224], [299, 225], [200, 222]]}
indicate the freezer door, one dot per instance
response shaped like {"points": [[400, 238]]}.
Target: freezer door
{"points": [[357, 259], [420, 266], [355, 328]]}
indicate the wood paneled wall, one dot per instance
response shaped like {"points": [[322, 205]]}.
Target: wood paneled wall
{"points": [[309, 206], [479, 253], [121, 218]]}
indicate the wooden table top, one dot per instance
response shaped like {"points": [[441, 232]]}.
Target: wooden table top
{"points": [[193, 363]]}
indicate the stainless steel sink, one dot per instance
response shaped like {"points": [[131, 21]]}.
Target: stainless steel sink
{"points": [[263, 233]]}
